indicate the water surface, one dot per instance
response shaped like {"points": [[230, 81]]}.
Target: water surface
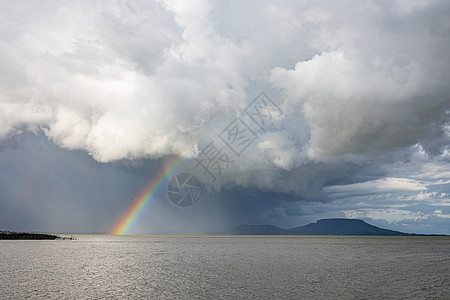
{"points": [[94, 267]]}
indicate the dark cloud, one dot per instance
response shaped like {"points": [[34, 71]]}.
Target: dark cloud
{"points": [[362, 86]]}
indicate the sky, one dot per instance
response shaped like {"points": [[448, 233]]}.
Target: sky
{"points": [[285, 111]]}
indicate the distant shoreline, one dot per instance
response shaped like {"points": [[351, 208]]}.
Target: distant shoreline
{"points": [[330, 227], [27, 236]]}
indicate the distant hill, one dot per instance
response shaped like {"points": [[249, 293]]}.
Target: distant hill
{"points": [[260, 230], [343, 227], [321, 227]]}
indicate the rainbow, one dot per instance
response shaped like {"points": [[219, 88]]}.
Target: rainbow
{"points": [[139, 205]]}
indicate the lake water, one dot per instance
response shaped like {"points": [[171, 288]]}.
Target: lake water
{"points": [[95, 267]]}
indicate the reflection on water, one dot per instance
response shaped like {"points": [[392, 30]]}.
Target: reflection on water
{"points": [[226, 267]]}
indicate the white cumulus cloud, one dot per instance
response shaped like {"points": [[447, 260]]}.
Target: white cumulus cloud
{"points": [[358, 82]]}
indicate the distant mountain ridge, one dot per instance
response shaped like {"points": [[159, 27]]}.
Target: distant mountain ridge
{"points": [[321, 227]]}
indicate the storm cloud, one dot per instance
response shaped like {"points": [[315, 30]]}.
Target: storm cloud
{"points": [[363, 87]]}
